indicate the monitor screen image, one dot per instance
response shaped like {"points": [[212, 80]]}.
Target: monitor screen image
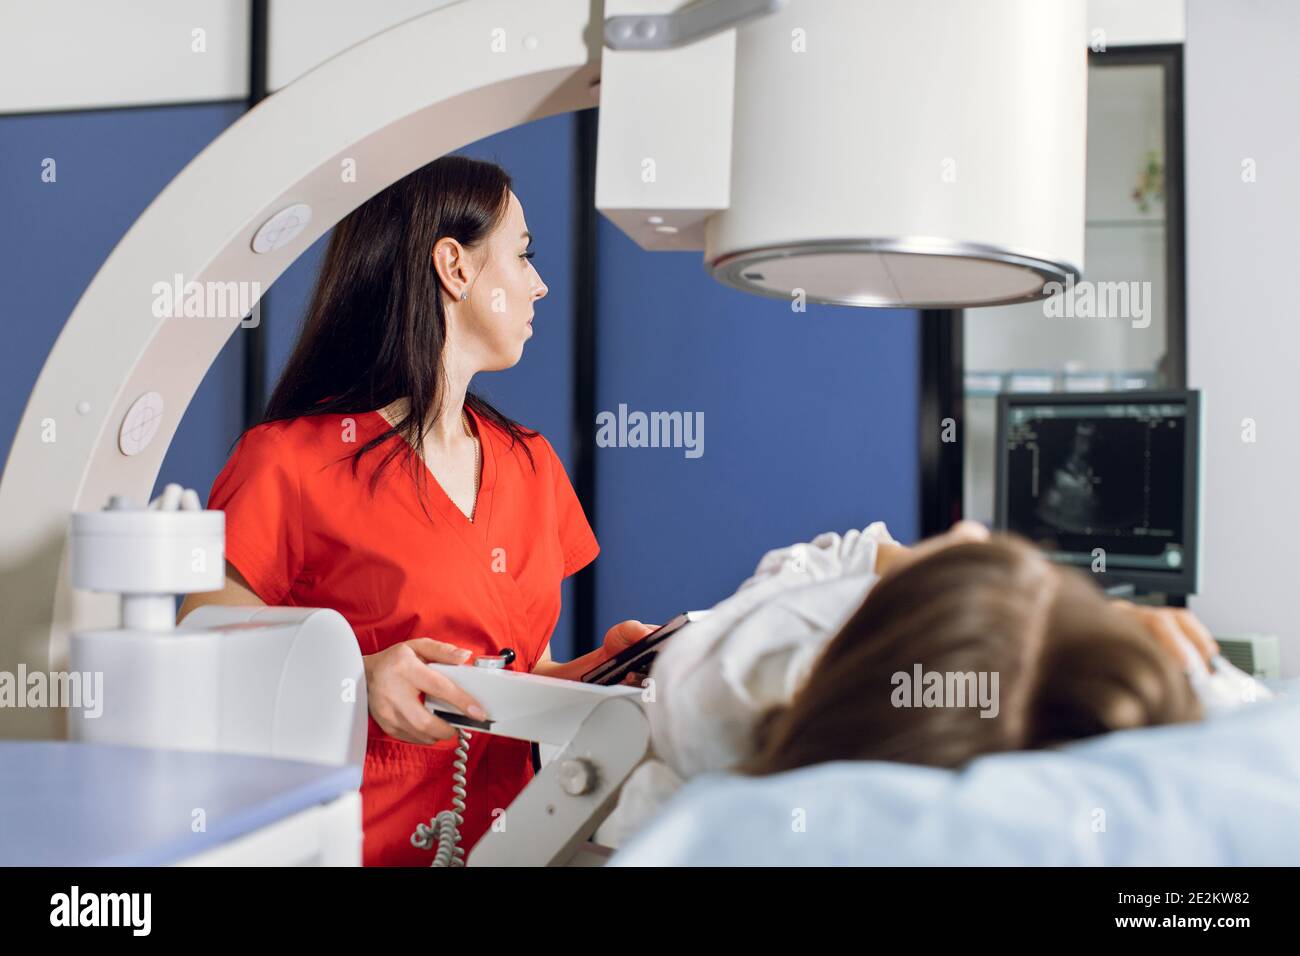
{"points": [[1114, 472]]}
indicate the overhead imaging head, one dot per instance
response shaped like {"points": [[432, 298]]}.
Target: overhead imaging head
{"points": [[892, 153]]}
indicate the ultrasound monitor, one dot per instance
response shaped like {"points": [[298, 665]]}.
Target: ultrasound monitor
{"points": [[1107, 482]]}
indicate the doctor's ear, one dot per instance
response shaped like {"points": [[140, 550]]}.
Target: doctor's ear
{"points": [[451, 264]]}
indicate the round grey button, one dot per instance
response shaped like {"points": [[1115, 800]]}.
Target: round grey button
{"points": [[577, 776]]}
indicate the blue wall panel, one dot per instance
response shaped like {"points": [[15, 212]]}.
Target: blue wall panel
{"points": [[810, 425], [110, 166]]}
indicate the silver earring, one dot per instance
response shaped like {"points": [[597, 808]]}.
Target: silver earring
{"points": [[464, 295]]}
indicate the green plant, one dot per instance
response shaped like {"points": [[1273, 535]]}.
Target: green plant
{"points": [[1150, 182]]}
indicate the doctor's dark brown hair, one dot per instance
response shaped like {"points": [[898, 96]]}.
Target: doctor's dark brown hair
{"points": [[1069, 665], [376, 328]]}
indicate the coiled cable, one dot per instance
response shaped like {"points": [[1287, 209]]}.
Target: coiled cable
{"points": [[445, 827]]}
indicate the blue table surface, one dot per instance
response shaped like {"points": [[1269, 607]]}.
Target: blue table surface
{"points": [[77, 804]]}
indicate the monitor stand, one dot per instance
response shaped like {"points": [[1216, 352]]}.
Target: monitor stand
{"points": [[1152, 598]]}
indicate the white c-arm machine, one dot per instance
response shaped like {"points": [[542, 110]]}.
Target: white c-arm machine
{"points": [[603, 733], [778, 136]]}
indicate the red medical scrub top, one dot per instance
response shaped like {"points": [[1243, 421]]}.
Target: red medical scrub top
{"points": [[305, 533]]}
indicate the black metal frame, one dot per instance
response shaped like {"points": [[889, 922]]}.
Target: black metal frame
{"points": [[584, 360], [254, 338], [1170, 57], [942, 363], [942, 397], [1174, 584]]}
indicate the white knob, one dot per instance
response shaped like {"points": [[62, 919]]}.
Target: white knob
{"points": [[578, 776]]}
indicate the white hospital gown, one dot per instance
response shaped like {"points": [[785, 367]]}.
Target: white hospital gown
{"points": [[751, 652]]}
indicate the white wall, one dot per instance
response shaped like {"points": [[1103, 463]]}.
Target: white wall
{"points": [[1136, 22], [1243, 336], [94, 54], [82, 54]]}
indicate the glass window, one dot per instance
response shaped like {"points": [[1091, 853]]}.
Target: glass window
{"points": [[1119, 327]]}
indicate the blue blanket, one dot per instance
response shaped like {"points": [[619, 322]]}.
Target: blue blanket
{"points": [[1222, 792]]}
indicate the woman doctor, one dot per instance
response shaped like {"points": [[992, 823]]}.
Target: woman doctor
{"points": [[377, 484]]}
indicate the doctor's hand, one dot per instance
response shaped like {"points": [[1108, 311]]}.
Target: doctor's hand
{"points": [[623, 635], [396, 677]]}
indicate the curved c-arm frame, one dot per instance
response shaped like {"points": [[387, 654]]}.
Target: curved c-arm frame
{"points": [[390, 104]]}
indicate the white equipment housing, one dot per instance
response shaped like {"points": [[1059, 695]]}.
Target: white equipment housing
{"points": [[273, 681], [603, 734], [277, 682]]}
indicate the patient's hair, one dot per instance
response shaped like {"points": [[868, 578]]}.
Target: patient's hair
{"points": [[1069, 665]]}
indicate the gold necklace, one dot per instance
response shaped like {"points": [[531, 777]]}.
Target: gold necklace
{"points": [[468, 431]]}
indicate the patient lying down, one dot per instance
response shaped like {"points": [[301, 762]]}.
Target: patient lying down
{"points": [[1010, 653], [1061, 661]]}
